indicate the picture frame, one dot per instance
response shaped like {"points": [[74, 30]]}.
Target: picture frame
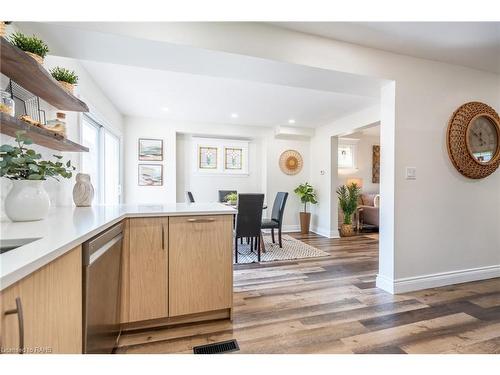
{"points": [[150, 149], [150, 175], [208, 157], [233, 158]]}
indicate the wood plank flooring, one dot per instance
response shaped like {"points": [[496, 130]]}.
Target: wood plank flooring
{"points": [[331, 305]]}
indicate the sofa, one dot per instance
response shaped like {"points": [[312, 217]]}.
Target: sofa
{"points": [[368, 210]]}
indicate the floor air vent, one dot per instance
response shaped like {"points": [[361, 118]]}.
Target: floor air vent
{"points": [[217, 348]]}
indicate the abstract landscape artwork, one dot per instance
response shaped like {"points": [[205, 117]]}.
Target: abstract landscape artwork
{"points": [[150, 149], [150, 175]]}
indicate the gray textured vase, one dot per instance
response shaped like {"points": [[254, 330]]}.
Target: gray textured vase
{"points": [[83, 192]]}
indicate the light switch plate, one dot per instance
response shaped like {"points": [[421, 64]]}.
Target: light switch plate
{"points": [[411, 173]]}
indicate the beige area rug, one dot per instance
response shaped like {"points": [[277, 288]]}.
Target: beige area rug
{"points": [[292, 249]]}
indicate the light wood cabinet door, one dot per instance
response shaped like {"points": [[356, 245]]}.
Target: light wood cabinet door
{"points": [[200, 264], [51, 301], [147, 269]]}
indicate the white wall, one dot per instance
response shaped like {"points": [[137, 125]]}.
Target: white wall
{"points": [[364, 157], [60, 193], [205, 187], [444, 223], [136, 128], [265, 175]]}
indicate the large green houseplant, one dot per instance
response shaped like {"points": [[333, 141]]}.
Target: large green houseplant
{"points": [[348, 196], [307, 195], [28, 200]]}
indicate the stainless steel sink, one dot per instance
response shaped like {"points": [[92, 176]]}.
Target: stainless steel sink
{"points": [[8, 245]]}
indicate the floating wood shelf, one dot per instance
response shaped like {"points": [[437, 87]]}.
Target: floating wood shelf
{"points": [[24, 70], [10, 125]]}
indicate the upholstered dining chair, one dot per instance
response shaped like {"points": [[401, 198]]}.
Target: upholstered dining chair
{"points": [[190, 197], [276, 220], [224, 193], [248, 220]]}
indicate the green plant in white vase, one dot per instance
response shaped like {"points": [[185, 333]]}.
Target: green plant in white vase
{"points": [[28, 200]]}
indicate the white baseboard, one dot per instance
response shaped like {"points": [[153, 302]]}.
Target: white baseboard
{"points": [[410, 284], [325, 232], [285, 229]]}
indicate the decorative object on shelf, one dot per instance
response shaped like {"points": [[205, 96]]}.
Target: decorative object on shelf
{"points": [[26, 102], [28, 200], [473, 140], [376, 164], [150, 175], [348, 196], [150, 149], [29, 120], [83, 191], [58, 125], [33, 46], [291, 162], [7, 104], [307, 195], [231, 198], [66, 78], [207, 157], [233, 158]]}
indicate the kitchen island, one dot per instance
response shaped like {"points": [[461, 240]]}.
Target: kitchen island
{"points": [[175, 267]]}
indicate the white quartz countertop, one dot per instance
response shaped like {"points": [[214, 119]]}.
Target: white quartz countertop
{"points": [[67, 227]]}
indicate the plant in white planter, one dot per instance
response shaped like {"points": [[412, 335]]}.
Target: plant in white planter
{"points": [[28, 200]]}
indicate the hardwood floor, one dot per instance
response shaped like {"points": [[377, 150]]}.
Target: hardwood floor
{"points": [[331, 305]]}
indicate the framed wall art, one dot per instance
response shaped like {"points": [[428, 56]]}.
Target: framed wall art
{"points": [[207, 157], [233, 158], [150, 175], [150, 149]]}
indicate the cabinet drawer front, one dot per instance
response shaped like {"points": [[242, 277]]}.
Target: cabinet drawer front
{"points": [[200, 264]]}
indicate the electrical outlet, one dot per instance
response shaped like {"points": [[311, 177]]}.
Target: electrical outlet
{"points": [[411, 173]]}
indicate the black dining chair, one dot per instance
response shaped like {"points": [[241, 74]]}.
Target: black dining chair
{"points": [[248, 220], [224, 193], [190, 197], [276, 220]]}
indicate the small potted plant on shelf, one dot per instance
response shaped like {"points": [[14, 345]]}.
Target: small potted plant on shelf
{"points": [[66, 78], [307, 195], [348, 201], [28, 200], [231, 198], [33, 46]]}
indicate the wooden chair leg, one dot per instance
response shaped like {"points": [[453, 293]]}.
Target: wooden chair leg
{"points": [[272, 235], [236, 249], [279, 238]]}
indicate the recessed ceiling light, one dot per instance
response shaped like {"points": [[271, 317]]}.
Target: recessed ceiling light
{"points": [[234, 115], [291, 121], [165, 109]]}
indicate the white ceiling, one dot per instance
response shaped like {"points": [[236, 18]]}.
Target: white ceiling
{"points": [[472, 44], [199, 98]]}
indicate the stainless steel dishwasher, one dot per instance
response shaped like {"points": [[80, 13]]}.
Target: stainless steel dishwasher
{"points": [[101, 291]]}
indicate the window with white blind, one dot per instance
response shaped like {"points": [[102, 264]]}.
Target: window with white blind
{"points": [[102, 161]]}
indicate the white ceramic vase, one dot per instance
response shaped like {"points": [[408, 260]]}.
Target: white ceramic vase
{"points": [[83, 191], [27, 201]]}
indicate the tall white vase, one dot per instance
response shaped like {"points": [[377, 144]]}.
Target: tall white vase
{"points": [[27, 201], [83, 191]]}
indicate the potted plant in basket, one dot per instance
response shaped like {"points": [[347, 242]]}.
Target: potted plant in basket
{"points": [[348, 201], [66, 78], [307, 195], [231, 198], [28, 200], [33, 46]]}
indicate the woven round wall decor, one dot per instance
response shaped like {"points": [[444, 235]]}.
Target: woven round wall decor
{"points": [[473, 140], [291, 162]]}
